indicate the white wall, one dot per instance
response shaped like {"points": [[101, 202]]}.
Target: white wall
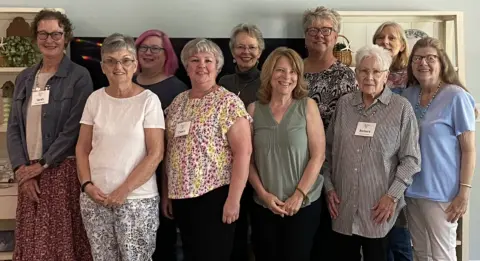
{"points": [[277, 18]]}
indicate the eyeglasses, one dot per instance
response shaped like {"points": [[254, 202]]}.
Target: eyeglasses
{"points": [[42, 35], [325, 31], [244, 48], [153, 49], [431, 58], [125, 62], [363, 73]]}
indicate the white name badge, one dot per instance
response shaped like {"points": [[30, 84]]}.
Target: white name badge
{"points": [[365, 129], [182, 129], [40, 97]]}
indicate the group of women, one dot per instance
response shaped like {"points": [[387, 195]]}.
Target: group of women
{"points": [[320, 161]]}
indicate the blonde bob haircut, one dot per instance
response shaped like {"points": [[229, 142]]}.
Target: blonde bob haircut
{"points": [[265, 92], [400, 61]]}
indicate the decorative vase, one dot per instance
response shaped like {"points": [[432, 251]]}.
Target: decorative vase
{"points": [[7, 104]]}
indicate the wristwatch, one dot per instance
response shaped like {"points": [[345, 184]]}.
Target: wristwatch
{"points": [[43, 163]]}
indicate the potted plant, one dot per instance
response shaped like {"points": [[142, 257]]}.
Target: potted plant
{"points": [[19, 51]]}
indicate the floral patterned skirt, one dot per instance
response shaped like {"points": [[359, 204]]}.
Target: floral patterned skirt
{"points": [[52, 229]]}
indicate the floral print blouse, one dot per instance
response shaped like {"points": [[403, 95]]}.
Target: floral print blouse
{"points": [[201, 161], [397, 80], [328, 86]]}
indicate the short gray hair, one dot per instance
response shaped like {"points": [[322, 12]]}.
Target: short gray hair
{"points": [[382, 56], [200, 45], [250, 29], [116, 42], [322, 13]]}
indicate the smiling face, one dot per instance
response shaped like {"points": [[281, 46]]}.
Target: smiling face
{"points": [[119, 66], [284, 77], [320, 42], [50, 38], [426, 66], [246, 51], [151, 54], [390, 39], [202, 69], [370, 77]]}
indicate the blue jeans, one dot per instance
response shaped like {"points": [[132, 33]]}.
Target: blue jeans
{"points": [[399, 244]]}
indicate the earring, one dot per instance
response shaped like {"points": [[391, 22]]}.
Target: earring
{"points": [[234, 61]]}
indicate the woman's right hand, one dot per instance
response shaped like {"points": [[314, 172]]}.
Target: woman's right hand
{"points": [[333, 202], [166, 205], [95, 194], [274, 204]]}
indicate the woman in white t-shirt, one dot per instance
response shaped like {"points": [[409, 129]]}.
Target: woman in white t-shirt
{"points": [[120, 146]]}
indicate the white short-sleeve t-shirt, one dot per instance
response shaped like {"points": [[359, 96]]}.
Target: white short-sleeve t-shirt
{"points": [[118, 139]]}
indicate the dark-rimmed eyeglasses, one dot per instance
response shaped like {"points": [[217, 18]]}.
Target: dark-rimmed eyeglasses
{"points": [[325, 31], [125, 62], [363, 73], [431, 58], [42, 35], [153, 49]]}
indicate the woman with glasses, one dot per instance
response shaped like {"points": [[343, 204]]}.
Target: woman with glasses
{"points": [[42, 132], [157, 64], [445, 112], [246, 45], [120, 145], [376, 131], [328, 79]]}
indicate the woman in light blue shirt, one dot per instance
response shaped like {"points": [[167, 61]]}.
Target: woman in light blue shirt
{"points": [[445, 111]]}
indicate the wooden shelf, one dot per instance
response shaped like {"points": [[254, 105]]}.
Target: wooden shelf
{"points": [[11, 69], [3, 128], [6, 255]]}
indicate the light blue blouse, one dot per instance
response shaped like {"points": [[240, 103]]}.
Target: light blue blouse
{"points": [[450, 114]]}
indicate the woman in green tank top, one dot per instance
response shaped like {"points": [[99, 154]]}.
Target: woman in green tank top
{"points": [[289, 150]]}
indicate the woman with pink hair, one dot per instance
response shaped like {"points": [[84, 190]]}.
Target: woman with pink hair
{"points": [[157, 64]]}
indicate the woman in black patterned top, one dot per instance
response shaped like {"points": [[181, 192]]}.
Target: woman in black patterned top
{"points": [[327, 77], [328, 80]]}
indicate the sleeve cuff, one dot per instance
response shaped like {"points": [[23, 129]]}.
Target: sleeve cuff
{"points": [[397, 189], [327, 184]]}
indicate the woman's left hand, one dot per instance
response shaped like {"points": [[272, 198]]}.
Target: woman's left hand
{"points": [[117, 197], [293, 203], [457, 208], [30, 172], [231, 211], [384, 209]]}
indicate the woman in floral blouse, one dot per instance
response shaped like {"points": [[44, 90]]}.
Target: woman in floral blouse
{"points": [[390, 35], [207, 157]]}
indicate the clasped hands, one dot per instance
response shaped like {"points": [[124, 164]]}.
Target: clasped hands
{"points": [[288, 208]]}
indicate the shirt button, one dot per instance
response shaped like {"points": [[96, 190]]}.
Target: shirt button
{"points": [[355, 169], [358, 150]]}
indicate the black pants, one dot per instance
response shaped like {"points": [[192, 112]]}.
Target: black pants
{"points": [[166, 244], [241, 247], [348, 247], [284, 239], [204, 235]]}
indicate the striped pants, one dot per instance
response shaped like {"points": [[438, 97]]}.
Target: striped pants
{"points": [[126, 233]]}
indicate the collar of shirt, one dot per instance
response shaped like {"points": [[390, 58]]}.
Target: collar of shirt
{"points": [[384, 98]]}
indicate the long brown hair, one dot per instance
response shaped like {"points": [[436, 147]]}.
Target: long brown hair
{"points": [[265, 91], [447, 71]]}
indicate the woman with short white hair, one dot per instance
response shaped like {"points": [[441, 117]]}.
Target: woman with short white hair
{"points": [[208, 156], [376, 131], [120, 146], [246, 45]]}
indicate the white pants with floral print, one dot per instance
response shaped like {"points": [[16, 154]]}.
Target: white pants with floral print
{"points": [[125, 233]]}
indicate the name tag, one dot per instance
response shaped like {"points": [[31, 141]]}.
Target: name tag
{"points": [[365, 129], [182, 129], [40, 97]]}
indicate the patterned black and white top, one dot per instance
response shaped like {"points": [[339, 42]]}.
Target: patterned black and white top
{"points": [[363, 169], [328, 86]]}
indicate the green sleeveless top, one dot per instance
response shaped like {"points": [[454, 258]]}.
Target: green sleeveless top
{"points": [[281, 151]]}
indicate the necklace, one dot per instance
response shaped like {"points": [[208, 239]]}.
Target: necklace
{"points": [[417, 106]]}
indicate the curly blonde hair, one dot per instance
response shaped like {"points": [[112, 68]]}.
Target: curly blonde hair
{"points": [[265, 92]]}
